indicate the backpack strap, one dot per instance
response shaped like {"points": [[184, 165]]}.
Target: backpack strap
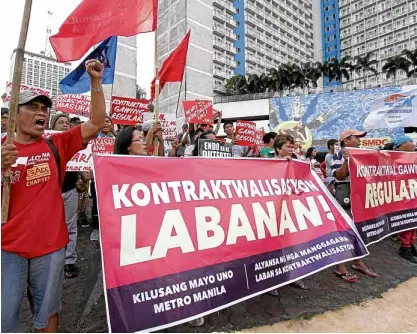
{"points": [[56, 156]]}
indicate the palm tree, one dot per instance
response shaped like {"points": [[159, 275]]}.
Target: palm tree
{"points": [[277, 80], [327, 69], [342, 69], [293, 75], [255, 84], [236, 85], [313, 73], [393, 65], [411, 57], [364, 65]]}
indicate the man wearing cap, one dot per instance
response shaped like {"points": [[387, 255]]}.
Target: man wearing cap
{"points": [[34, 237], [4, 121], [407, 250], [340, 170]]}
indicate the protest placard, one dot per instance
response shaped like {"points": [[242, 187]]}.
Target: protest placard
{"points": [[245, 133], [259, 144], [179, 243], [214, 149], [383, 192], [6, 97], [75, 104], [200, 111], [102, 145], [82, 161], [128, 111]]}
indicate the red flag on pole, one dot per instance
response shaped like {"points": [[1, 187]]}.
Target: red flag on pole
{"points": [[172, 69], [95, 20]]}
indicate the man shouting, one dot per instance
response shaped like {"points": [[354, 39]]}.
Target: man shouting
{"points": [[34, 238]]}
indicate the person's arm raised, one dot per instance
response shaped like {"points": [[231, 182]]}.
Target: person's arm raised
{"points": [[90, 129]]}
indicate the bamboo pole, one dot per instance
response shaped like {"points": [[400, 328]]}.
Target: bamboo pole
{"points": [[156, 104], [14, 101]]}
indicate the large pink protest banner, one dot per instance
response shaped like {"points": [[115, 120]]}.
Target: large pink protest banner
{"points": [[179, 243], [383, 192]]}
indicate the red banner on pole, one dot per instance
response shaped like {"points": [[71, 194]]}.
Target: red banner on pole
{"points": [[179, 242], [245, 133], [128, 111], [73, 104], [383, 192], [200, 112]]}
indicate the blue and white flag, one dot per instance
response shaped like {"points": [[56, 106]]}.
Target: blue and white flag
{"points": [[397, 110], [78, 81]]}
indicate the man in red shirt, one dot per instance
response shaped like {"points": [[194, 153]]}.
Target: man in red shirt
{"points": [[34, 238]]}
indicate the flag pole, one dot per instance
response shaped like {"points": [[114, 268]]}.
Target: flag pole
{"points": [[14, 100], [178, 101], [156, 104]]}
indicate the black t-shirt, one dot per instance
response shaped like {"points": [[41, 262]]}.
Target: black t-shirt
{"points": [[69, 181]]}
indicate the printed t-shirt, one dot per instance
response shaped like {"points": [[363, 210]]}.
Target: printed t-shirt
{"points": [[267, 151], [36, 224]]}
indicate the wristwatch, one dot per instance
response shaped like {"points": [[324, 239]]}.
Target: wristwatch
{"points": [[96, 90]]}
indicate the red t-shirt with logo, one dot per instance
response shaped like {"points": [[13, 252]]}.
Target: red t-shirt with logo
{"points": [[36, 224]]}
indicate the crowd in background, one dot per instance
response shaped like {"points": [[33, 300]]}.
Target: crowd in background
{"points": [[79, 194]]}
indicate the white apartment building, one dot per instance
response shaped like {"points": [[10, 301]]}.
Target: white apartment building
{"points": [[383, 27], [251, 36], [231, 37], [42, 72]]}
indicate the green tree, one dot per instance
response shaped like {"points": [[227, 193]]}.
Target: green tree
{"points": [[342, 69], [411, 57], [364, 65], [393, 65], [236, 85]]}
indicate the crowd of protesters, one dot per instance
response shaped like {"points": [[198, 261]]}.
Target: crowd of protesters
{"points": [[40, 237]]}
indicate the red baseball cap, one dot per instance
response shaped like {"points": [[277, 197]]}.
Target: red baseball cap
{"points": [[351, 132]]}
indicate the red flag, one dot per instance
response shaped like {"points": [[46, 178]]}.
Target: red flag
{"points": [[172, 69], [95, 20]]}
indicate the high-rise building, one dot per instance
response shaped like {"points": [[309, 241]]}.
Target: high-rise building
{"points": [[252, 36], [330, 33], [275, 32], [232, 37], [40, 71], [381, 27]]}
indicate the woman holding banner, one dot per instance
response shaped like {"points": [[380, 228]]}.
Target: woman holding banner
{"points": [[284, 146]]}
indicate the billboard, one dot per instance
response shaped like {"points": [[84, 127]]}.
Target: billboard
{"points": [[315, 118]]}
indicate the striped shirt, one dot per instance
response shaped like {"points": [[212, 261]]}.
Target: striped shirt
{"points": [[336, 163]]}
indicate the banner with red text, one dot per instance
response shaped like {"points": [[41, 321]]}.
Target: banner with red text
{"points": [[168, 124], [245, 133], [75, 104], [179, 243], [6, 97], [128, 111], [200, 112], [383, 192]]}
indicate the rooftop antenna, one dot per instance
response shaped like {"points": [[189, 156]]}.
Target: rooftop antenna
{"points": [[47, 49]]}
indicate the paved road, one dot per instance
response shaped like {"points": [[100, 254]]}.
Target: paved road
{"points": [[84, 308], [395, 312]]}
